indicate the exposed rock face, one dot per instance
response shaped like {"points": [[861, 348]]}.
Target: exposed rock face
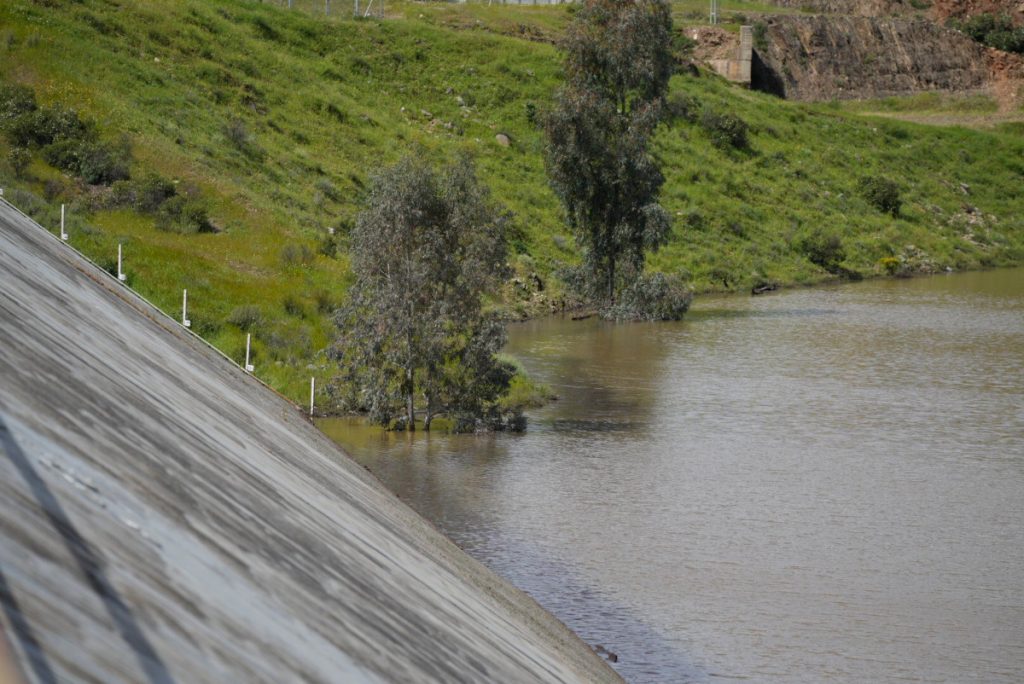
{"points": [[846, 57], [943, 9], [862, 8], [940, 9]]}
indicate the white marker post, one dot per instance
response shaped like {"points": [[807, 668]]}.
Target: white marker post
{"points": [[184, 309], [63, 235], [120, 274], [312, 393], [248, 366]]}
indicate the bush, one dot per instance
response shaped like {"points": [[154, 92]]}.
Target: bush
{"points": [[19, 158], [296, 255], [15, 101], [683, 106], [652, 297], [145, 195], [531, 113], [760, 36], [245, 317], [53, 188], [725, 130], [41, 127], [823, 249], [238, 135], [682, 46], [293, 306], [994, 30], [324, 302], [328, 246], [328, 189], [882, 193], [95, 163], [180, 214]]}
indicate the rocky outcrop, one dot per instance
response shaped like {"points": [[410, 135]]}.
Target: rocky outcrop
{"points": [[960, 9], [847, 57], [937, 9], [862, 8]]}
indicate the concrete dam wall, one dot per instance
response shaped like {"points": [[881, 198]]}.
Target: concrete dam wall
{"points": [[164, 517]]}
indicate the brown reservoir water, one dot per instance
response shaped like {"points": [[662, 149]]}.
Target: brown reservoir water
{"points": [[817, 486]]}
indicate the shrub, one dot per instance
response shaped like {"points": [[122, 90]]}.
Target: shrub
{"points": [[995, 31], [238, 135], [181, 214], [890, 264], [293, 306], [882, 193], [102, 163], [823, 249], [53, 188], [145, 195], [683, 106], [245, 317], [19, 158], [328, 246], [15, 100], [682, 46], [760, 36], [531, 113], [41, 127], [328, 189], [324, 303], [651, 297], [725, 130], [695, 219], [296, 255]]}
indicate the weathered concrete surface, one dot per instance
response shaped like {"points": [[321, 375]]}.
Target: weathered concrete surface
{"points": [[166, 518], [737, 67]]}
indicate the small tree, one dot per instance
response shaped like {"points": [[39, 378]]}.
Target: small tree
{"points": [[618, 63], [414, 337]]}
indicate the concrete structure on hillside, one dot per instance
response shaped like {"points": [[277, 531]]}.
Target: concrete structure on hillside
{"points": [[165, 517], [738, 69]]}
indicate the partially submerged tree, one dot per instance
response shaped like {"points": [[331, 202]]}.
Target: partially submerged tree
{"points": [[618, 64], [415, 338]]}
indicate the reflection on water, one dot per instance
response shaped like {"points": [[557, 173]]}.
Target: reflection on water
{"points": [[817, 485]]}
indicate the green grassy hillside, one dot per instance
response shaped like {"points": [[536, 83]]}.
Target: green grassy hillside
{"points": [[277, 119]]}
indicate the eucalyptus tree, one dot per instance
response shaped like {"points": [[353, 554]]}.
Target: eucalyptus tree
{"points": [[415, 337], [618, 63]]}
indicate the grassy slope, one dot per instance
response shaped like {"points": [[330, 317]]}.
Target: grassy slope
{"points": [[323, 101]]}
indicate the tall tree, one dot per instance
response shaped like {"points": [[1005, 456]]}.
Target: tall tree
{"points": [[617, 66], [415, 337]]}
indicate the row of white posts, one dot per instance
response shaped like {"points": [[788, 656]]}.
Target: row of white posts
{"points": [[185, 322]]}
